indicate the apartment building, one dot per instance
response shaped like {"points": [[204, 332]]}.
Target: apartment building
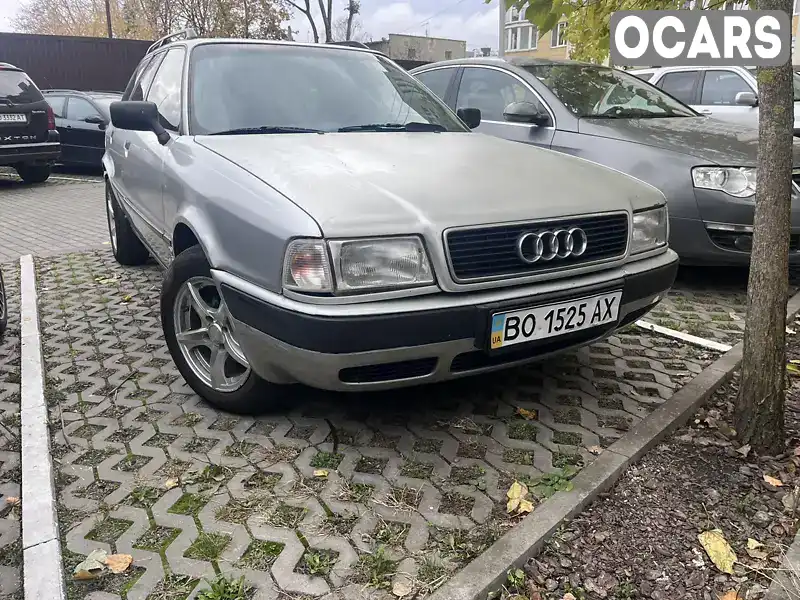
{"points": [[521, 38]]}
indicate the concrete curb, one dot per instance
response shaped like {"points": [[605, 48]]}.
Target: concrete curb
{"points": [[787, 577], [40, 543], [488, 572]]}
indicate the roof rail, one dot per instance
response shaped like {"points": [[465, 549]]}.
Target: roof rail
{"points": [[351, 43], [185, 34]]}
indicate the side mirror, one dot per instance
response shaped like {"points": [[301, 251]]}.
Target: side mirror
{"points": [[746, 99], [525, 112], [470, 116], [138, 116], [95, 120]]}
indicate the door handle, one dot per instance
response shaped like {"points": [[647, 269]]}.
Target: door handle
{"points": [[127, 144], [706, 111], [69, 126]]}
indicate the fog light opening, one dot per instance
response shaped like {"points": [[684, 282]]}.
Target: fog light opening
{"points": [[743, 243]]}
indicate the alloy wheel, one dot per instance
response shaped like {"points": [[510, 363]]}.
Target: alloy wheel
{"points": [[205, 336]]}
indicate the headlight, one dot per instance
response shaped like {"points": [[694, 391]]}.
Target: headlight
{"points": [[306, 267], [649, 229], [738, 182], [358, 265], [372, 264]]}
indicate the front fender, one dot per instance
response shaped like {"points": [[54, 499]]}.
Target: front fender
{"points": [[205, 233]]}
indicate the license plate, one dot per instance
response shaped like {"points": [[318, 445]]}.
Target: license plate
{"points": [[528, 324], [13, 118]]}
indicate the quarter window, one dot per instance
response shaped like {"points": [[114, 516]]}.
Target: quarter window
{"points": [[491, 91], [78, 109], [437, 80], [145, 78], [165, 92], [680, 85], [720, 88]]}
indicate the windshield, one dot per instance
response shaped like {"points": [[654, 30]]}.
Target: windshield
{"points": [[16, 88], [591, 91], [795, 83], [254, 88]]}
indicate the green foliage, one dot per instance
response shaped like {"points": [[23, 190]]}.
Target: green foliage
{"points": [[550, 483], [225, 588], [588, 31]]}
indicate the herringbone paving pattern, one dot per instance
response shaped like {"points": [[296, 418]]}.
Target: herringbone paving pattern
{"points": [[342, 495]]}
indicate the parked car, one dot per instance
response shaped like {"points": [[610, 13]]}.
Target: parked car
{"points": [[726, 93], [705, 167], [3, 305], [28, 136], [348, 231], [81, 120]]}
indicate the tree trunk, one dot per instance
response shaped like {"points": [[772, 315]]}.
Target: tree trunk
{"points": [[350, 16], [108, 19], [760, 405]]}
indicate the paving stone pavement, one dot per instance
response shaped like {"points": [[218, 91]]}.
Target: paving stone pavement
{"points": [[416, 479], [10, 474], [51, 218]]}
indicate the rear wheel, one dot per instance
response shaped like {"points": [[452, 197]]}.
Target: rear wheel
{"points": [[199, 334], [33, 173], [126, 246], [3, 305]]}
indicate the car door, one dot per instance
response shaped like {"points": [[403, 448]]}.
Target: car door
{"points": [[718, 97], [136, 162], [681, 85], [165, 93], [491, 89], [84, 130]]}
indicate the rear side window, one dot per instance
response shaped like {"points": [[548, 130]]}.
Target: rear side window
{"points": [[17, 88], [57, 104], [436, 80]]}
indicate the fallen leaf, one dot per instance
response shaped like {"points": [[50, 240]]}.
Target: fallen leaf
{"points": [[516, 494], [773, 481], [595, 450], [744, 450], [732, 595], [127, 298], [790, 331], [793, 366], [530, 415], [568, 596], [718, 550], [12, 500], [401, 588], [118, 563], [171, 483], [525, 506], [754, 544], [757, 554], [320, 472], [92, 566], [734, 316]]}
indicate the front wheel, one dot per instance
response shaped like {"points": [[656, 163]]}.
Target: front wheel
{"points": [[126, 246], [33, 173], [199, 334]]}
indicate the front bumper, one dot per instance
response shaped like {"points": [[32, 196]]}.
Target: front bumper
{"points": [[41, 153], [378, 345]]}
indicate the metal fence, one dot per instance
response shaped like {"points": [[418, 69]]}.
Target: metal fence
{"points": [[82, 63]]}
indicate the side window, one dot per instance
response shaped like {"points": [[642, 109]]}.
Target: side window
{"points": [[680, 85], [57, 104], [166, 89], [437, 80], [720, 88], [145, 78], [491, 91], [78, 109]]}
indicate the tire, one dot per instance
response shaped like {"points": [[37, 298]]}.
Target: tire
{"points": [[3, 306], [34, 173], [249, 394], [127, 248]]}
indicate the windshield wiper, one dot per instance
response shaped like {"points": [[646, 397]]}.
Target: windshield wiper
{"points": [[634, 114], [266, 129], [412, 126]]}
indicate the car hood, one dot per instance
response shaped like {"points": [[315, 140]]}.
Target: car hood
{"points": [[710, 140], [373, 183]]}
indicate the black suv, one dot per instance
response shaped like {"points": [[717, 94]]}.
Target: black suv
{"points": [[28, 137]]}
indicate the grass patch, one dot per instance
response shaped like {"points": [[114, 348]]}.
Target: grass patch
{"points": [[227, 588], [567, 438], [260, 555], [238, 510], [567, 416], [454, 503], [143, 496], [517, 456], [373, 466], [156, 539], [188, 504], [416, 469], [207, 546], [286, 516], [318, 563], [355, 492], [471, 449], [327, 460], [467, 475], [563, 459], [522, 430], [108, 530], [428, 445], [375, 570], [391, 533], [173, 587]]}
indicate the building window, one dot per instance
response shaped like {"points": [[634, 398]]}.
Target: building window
{"points": [[448, 54], [796, 8], [412, 54], [559, 36], [522, 37]]}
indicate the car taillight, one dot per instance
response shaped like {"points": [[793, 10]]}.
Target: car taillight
{"points": [[51, 119]]}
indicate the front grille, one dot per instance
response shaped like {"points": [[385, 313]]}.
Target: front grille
{"points": [[489, 252], [405, 369]]}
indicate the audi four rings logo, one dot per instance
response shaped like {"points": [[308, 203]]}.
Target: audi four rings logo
{"points": [[547, 245]]}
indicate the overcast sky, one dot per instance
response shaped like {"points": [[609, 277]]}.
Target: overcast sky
{"points": [[472, 20]]}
